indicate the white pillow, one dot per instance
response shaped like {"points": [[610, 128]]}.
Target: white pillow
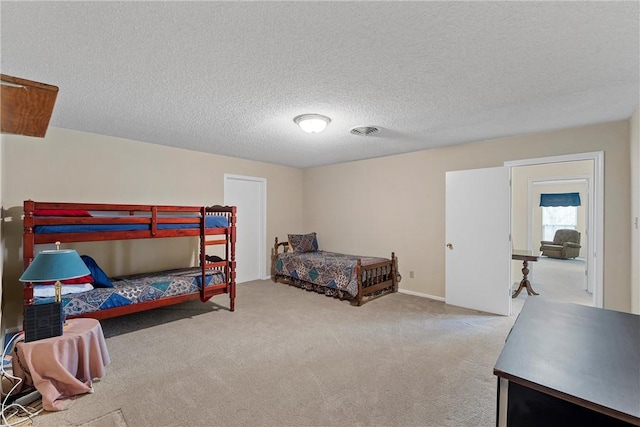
{"points": [[50, 290]]}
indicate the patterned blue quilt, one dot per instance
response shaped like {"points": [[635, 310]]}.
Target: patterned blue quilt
{"points": [[327, 269], [137, 288]]}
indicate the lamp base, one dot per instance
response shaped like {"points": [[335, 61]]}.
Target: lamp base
{"points": [[42, 321]]}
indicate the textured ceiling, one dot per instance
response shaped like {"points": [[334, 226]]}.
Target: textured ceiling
{"points": [[229, 77]]}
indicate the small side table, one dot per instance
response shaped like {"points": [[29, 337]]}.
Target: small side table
{"points": [[525, 257], [64, 366]]}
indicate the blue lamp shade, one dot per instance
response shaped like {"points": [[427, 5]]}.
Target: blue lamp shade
{"points": [[55, 265]]}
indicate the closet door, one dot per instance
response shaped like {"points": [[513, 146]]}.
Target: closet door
{"points": [[249, 195]]}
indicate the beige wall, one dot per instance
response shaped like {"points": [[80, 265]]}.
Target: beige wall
{"points": [[81, 167], [397, 203], [635, 211], [370, 207]]}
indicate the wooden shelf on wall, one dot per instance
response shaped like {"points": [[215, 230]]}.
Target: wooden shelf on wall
{"points": [[26, 106]]}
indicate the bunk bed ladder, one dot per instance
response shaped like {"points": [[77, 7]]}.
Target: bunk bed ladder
{"points": [[205, 294], [208, 262], [231, 257]]}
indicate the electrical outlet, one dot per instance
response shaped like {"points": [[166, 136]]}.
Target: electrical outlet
{"points": [[411, 275]]}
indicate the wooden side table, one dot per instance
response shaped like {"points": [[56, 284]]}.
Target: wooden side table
{"points": [[65, 366], [525, 257]]}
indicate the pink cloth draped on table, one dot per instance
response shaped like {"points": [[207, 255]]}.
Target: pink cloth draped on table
{"points": [[65, 366]]}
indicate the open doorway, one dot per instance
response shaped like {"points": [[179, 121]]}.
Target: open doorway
{"points": [[576, 278], [485, 190]]}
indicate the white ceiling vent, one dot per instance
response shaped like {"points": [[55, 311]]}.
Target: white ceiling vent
{"points": [[364, 130]]}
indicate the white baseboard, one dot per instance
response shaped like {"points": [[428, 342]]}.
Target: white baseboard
{"points": [[420, 294]]}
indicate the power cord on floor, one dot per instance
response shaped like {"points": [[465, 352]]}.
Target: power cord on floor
{"points": [[16, 381]]}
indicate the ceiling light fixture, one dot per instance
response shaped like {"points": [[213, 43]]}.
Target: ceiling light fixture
{"points": [[312, 123]]}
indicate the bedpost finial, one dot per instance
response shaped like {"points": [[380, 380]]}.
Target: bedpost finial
{"points": [[57, 245]]}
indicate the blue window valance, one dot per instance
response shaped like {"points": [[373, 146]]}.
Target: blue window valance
{"points": [[560, 199]]}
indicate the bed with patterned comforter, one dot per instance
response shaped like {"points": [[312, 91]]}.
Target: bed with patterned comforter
{"points": [[350, 277], [135, 289]]}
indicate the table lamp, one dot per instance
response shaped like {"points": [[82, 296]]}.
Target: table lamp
{"points": [[45, 320]]}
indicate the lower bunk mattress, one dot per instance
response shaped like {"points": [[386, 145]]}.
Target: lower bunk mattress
{"points": [[331, 273], [137, 288]]}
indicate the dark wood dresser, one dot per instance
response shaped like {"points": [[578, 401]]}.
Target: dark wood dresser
{"points": [[567, 364]]}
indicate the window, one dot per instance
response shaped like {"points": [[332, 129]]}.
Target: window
{"points": [[556, 218], [559, 211]]}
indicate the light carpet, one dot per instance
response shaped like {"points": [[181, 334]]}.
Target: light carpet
{"points": [[557, 279], [289, 357]]}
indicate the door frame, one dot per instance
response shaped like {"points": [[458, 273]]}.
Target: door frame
{"points": [[586, 181], [596, 214], [262, 237]]}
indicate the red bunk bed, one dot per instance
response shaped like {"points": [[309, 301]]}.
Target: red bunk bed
{"points": [[47, 222]]}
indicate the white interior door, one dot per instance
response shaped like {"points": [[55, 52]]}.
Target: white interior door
{"points": [[249, 195], [478, 252]]}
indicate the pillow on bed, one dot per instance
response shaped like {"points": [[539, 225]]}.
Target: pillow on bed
{"points": [[61, 212], [100, 278], [50, 290], [303, 242]]}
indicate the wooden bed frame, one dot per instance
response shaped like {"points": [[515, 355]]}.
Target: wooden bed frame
{"points": [[374, 280], [208, 236]]}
